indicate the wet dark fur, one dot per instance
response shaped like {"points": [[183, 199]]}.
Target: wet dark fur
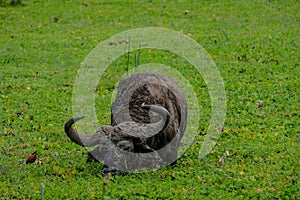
{"points": [[154, 89]]}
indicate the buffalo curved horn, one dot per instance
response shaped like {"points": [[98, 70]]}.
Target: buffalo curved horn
{"points": [[138, 130], [85, 140]]}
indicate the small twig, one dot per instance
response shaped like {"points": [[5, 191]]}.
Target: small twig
{"points": [[139, 55], [224, 30], [42, 191], [103, 188], [128, 54]]}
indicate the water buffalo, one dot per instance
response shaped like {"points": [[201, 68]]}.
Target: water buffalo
{"points": [[148, 120]]}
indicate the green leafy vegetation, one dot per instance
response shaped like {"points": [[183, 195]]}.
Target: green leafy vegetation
{"points": [[255, 45]]}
